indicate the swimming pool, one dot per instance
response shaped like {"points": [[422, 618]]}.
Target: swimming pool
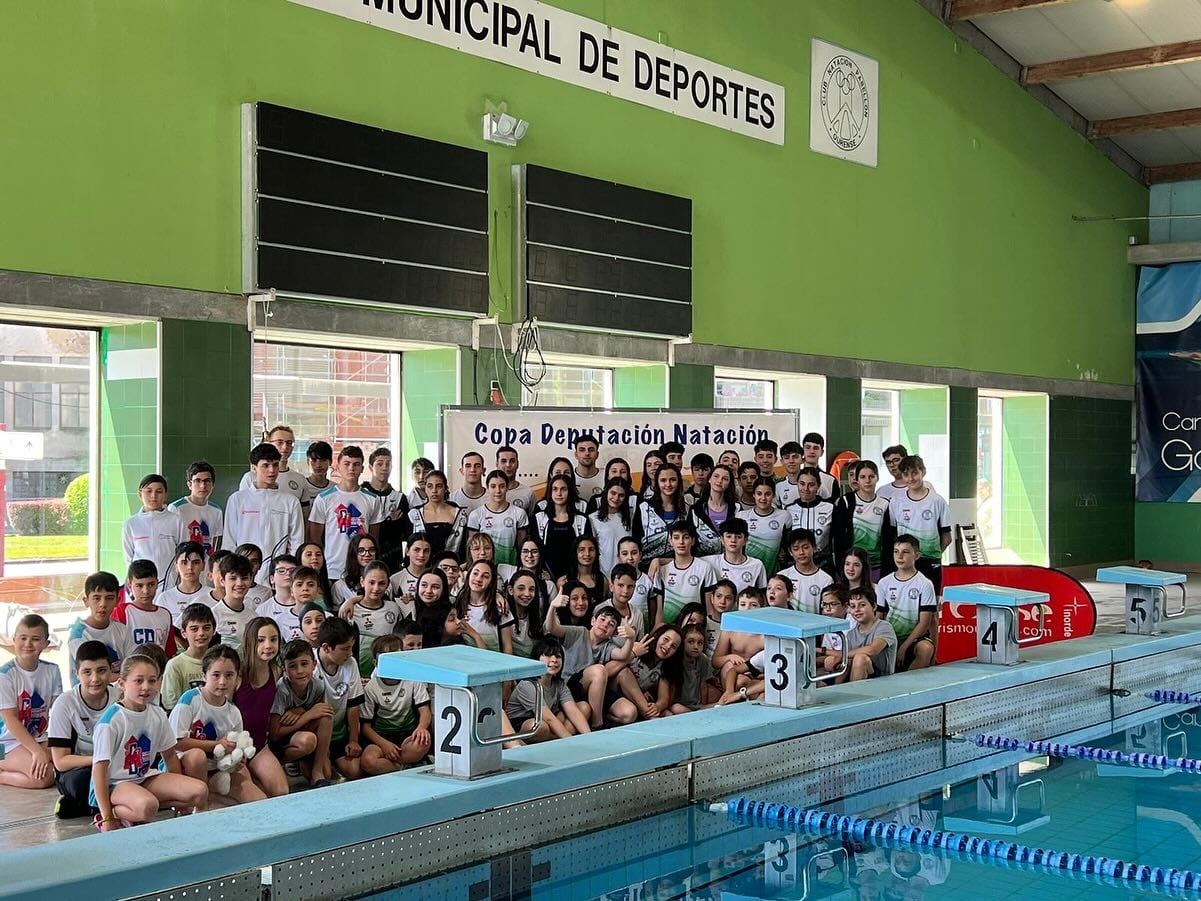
{"points": [[1148, 816]]}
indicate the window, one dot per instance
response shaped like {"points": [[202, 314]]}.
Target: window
{"points": [[46, 389], [743, 394], [572, 386], [990, 470], [326, 394], [881, 422]]}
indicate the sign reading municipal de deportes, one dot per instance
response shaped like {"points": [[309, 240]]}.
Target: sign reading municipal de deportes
{"points": [[561, 45]]}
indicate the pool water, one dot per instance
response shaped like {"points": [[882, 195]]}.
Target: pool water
{"points": [[1146, 816]]}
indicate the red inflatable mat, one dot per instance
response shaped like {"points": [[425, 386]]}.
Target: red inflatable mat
{"points": [[1071, 612]]}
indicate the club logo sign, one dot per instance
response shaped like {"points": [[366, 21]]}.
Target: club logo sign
{"points": [[844, 113]]}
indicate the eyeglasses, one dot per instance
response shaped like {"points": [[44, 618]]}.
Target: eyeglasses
{"points": [[365, 552]]}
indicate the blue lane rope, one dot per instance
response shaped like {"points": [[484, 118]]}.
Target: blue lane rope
{"points": [[1166, 696], [1085, 752], [993, 851]]}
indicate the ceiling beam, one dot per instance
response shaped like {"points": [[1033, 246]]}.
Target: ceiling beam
{"points": [[1129, 125], [962, 10], [1180, 172], [1119, 61]]}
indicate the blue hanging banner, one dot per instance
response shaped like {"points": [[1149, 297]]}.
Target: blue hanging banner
{"points": [[1168, 383]]}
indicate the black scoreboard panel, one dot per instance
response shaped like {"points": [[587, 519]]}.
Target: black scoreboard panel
{"points": [[604, 255], [351, 211]]}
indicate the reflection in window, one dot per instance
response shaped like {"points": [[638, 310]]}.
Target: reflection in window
{"points": [[743, 394]]}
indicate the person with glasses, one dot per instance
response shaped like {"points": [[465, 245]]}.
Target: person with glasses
{"points": [[283, 439], [202, 519]]}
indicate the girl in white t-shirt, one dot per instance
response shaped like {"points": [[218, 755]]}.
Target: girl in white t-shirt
{"points": [[483, 609], [127, 737]]}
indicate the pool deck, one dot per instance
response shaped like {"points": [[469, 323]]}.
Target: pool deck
{"points": [[132, 862]]}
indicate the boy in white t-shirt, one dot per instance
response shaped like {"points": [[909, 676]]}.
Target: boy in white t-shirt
{"points": [[504, 522], [100, 597], [909, 602], [188, 588], [396, 712], [338, 671], [289, 481], [202, 520], [684, 579], [519, 495], [148, 623], [232, 613], [647, 595], [282, 607], [473, 493], [733, 563], [29, 686], [320, 457], [72, 719], [807, 578], [343, 511], [263, 514]]}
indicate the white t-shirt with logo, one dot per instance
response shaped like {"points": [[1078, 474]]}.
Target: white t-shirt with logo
{"points": [[807, 588], [72, 720], [202, 524], [684, 586], [903, 601], [501, 527], [30, 693], [344, 515], [749, 574]]}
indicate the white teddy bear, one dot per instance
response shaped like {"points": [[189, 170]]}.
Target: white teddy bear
{"points": [[227, 763]]}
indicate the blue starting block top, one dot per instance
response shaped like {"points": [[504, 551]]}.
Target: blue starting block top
{"points": [[458, 666], [1132, 575], [780, 623], [993, 595]]}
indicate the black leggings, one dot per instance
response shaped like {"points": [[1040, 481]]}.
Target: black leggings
{"points": [[73, 785]]}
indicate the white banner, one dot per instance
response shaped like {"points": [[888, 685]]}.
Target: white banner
{"points": [[539, 434], [844, 104], [550, 41]]}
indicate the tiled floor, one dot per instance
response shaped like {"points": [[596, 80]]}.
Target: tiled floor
{"points": [[26, 817]]}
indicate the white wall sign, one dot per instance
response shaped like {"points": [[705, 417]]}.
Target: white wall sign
{"points": [[541, 434], [844, 103], [22, 445], [552, 42]]}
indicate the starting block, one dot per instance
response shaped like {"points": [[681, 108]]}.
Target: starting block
{"points": [[997, 638], [999, 808], [1146, 595], [467, 702], [789, 651]]}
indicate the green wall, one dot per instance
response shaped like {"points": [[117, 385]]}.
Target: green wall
{"points": [[428, 379], [642, 386], [127, 167], [963, 441], [844, 416], [1024, 479], [206, 417], [923, 411], [129, 429], [1091, 486]]}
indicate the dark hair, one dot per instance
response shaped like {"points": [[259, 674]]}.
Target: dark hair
{"points": [[647, 487], [491, 607], [912, 463], [536, 610], [813, 472], [441, 577], [747, 466], [334, 631], [246, 548], [866, 464], [689, 629], [564, 613], [200, 466], [729, 496], [101, 581], [220, 652], [586, 438], [606, 610], [496, 474], [683, 525], [405, 628], [153, 479], [507, 449], [351, 450], [839, 591], [197, 613], [376, 565], [215, 558], [298, 648], [656, 498], [814, 438], [306, 572], [798, 535], [910, 540], [141, 569], [670, 669], [767, 445], [865, 561], [690, 608], [624, 569], [613, 461], [734, 525], [671, 447], [387, 644], [726, 583], [762, 481], [320, 450], [236, 565], [264, 453], [352, 570], [596, 572], [424, 462], [894, 449], [322, 574], [623, 510], [860, 595], [282, 558], [753, 592], [33, 621], [547, 647], [471, 453], [377, 453], [90, 651], [250, 639], [573, 495], [790, 447], [701, 460], [184, 548], [783, 578]]}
